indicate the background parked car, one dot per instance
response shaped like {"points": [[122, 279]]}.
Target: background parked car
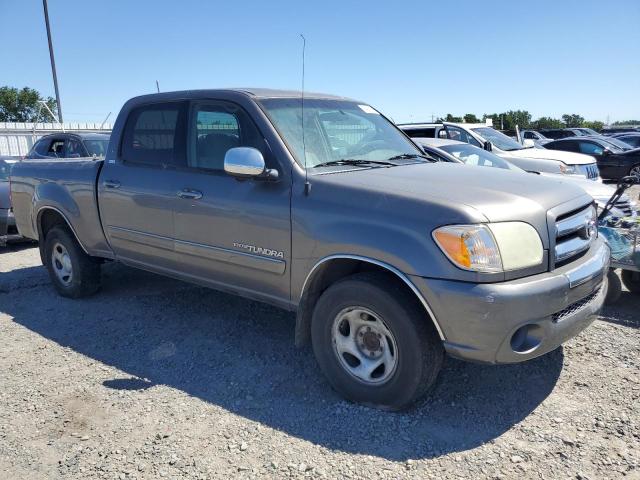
{"points": [[453, 151], [8, 229], [615, 158], [527, 158], [70, 145], [631, 139], [536, 137], [610, 131], [557, 133]]}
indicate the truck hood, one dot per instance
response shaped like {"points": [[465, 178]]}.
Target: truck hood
{"points": [[498, 195], [570, 158]]}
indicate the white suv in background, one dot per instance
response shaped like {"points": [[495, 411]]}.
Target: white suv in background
{"points": [[527, 158]]}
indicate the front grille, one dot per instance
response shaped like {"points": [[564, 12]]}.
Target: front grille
{"points": [[575, 307], [575, 232]]}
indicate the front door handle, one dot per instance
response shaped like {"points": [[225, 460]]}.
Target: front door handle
{"points": [[111, 184], [190, 194]]}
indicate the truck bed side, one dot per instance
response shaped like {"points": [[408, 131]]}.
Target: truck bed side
{"points": [[66, 187]]}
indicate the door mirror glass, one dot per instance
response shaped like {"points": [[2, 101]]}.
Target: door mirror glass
{"points": [[487, 146], [244, 162]]}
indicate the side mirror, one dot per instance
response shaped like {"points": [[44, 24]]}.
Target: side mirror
{"points": [[606, 151], [487, 146], [247, 162]]}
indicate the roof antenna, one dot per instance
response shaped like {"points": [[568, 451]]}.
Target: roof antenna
{"points": [[157, 86], [307, 185]]}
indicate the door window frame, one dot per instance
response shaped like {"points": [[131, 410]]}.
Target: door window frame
{"points": [[191, 133]]}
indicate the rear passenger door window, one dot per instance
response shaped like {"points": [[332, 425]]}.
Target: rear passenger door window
{"points": [[154, 135], [215, 129]]}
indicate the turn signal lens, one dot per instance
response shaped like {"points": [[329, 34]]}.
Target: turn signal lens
{"points": [[471, 247]]}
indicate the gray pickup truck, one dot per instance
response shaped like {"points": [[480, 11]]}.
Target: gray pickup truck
{"points": [[322, 206]]}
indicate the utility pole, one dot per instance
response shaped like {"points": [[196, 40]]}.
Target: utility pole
{"points": [[53, 62]]}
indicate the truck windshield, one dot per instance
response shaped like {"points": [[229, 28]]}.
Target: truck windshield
{"points": [[338, 131], [96, 148], [498, 139]]}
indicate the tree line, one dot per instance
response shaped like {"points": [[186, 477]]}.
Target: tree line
{"points": [[522, 118]]}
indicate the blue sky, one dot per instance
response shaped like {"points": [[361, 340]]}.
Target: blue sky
{"points": [[410, 59]]}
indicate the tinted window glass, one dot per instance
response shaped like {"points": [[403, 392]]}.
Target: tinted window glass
{"points": [[590, 148], [40, 148], [74, 149], [632, 141], [154, 135], [96, 148], [566, 146], [56, 149], [421, 132], [218, 128]]}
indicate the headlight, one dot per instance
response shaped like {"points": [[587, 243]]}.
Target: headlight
{"points": [[568, 169], [490, 248]]}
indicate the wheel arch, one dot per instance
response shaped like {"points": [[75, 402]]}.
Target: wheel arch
{"points": [[334, 267], [47, 218]]}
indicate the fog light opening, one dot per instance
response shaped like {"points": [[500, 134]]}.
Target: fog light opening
{"points": [[527, 338]]}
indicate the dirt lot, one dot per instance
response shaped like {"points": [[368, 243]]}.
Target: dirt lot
{"points": [[153, 378]]}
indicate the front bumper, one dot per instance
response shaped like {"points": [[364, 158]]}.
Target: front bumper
{"points": [[518, 320]]}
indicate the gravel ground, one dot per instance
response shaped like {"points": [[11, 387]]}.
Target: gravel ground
{"points": [[154, 378]]}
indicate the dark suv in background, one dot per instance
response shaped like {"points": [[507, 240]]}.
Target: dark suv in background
{"points": [[70, 145]]}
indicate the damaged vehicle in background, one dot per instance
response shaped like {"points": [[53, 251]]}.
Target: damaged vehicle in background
{"points": [[527, 158]]}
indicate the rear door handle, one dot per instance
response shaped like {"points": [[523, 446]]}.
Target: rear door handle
{"points": [[111, 184], [190, 194]]}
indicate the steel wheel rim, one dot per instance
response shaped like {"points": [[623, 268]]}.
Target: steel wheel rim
{"points": [[635, 171], [61, 262], [364, 345]]}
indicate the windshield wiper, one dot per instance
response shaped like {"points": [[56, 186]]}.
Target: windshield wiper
{"points": [[407, 156], [354, 162]]}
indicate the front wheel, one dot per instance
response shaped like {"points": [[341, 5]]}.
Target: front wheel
{"points": [[74, 274], [374, 342], [631, 280], [635, 171]]}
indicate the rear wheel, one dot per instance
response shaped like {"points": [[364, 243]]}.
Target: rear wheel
{"points": [[635, 171], [374, 342], [631, 280], [73, 273]]}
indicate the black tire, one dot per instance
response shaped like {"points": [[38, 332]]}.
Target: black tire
{"points": [[419, 354], [85, 270], [614, 289], [631, 280]]}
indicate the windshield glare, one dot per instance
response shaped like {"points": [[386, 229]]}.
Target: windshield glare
{"points": [[96, 148], [498, 139], [336, 130], [476, 156]]}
